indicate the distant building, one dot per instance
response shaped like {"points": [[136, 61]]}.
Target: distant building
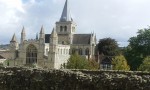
{"points": [[2, 60], [52, 50]]}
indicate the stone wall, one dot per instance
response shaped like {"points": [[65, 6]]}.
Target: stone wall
{"points": [[38, 79]]}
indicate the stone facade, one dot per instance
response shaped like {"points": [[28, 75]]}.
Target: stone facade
{"points": [[52, 50]]}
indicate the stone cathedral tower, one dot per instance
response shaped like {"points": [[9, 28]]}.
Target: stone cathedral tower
{"points": [[52, 50]]}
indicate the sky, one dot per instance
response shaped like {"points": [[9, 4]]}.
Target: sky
{"points": [[117, 19]]}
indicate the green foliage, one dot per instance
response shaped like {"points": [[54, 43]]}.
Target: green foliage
{"points": [[145, 66], [93, 65], [134, 60], [34, 65], [6, 63], [108, 46], [120, 63], [138, 48], [78, 62]]}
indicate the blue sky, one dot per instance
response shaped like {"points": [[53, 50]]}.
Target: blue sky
{"points": [[118, 19]]}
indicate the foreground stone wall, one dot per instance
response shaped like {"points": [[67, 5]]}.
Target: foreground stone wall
{"points": [[38, 79]]}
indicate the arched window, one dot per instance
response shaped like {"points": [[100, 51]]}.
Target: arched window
{"points": [[61, 28], [73, 51], [61, 51], [69, 52], [64, 51], [87, 51], [47, 51], [73, 29], [65, 28], [63, 42], [58, 51], [80, 51], [31, 54]]}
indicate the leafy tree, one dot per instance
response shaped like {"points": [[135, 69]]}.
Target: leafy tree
{"points": [[145, 66], [138, 48], [77, 62], [93, 65], [108, 47], [120, 63]]}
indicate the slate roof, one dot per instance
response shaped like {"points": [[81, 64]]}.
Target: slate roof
{"points": [[66, 16], [77, 38], [81, 38], [1, 57]]}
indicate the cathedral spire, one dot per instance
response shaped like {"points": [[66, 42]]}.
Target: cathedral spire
{"points": [[42, 35], [23, 35], [14, 38], [23, 30], [42, 30], [66, 13]]}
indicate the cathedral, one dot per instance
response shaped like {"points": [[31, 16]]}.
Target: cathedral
{"points": [[52, 50]]}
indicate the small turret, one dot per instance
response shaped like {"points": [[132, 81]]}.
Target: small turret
{"points": [[23, 35], [13, 43], [54, 33], [54, 37], [37, 37], [14, 38], [42, 34]]}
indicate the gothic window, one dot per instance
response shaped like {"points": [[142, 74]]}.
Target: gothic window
{"points": [[17, 54], [61, 28], [73, 29], [63, 42], [64, 51], [58, 51], [87, 51], [61, 51], [31, 54], [47, 51], [80, 51], [69, 51], [73, 51], [65, 27]]}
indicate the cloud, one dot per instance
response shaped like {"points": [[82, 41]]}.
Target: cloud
{"points": [[118, 19], [9, 18]]}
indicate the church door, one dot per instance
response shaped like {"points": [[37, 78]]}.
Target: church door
{"points": [[31, 54]]}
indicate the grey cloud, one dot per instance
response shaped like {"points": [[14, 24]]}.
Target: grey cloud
{"points": [[118, 19]]}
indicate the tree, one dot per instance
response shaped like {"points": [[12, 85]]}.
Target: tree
{"points": [[120, 63], [77, 62], [93, 65], [108, 47], [138, 48], [145, 66]]}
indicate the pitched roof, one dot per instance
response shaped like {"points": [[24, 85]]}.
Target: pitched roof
{"points": [[1, 57], [81, 38], [77, 38], [66, 13]]}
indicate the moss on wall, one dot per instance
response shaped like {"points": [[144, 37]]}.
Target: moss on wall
{"points": [[37, 79]]}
